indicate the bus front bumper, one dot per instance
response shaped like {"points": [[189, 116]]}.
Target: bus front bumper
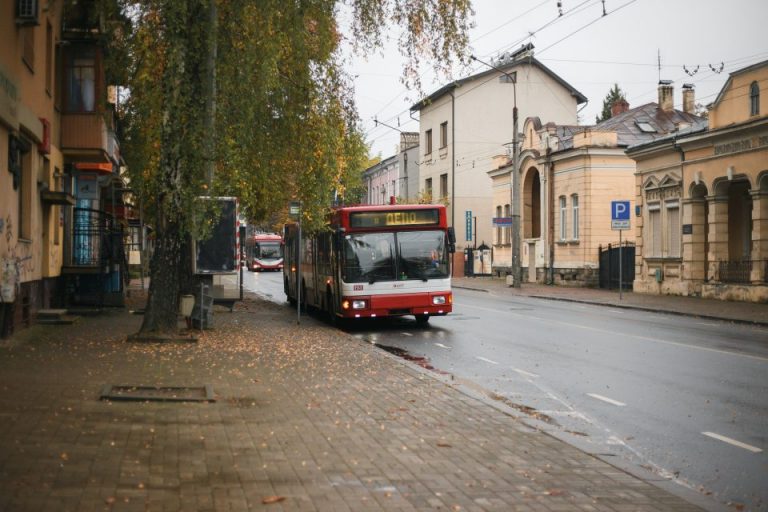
{"points": [[371, 306]]}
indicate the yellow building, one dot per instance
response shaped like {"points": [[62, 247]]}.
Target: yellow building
{"points": [[569, 176], [60, 198], [31, 162], [703, 198]]}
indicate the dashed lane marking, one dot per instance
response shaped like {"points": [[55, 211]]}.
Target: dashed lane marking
{"points": [[525, 373], [406, 334], [607, 400], [733, 442], [442, 346], [486, 360]]}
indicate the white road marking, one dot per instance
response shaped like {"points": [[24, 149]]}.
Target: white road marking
{"points": [[442, 346], [733, 442], [529, 316], [606, 399], [525, 373], [486, 360], [406, 334]]}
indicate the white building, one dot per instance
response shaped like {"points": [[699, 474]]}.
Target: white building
{"points": [[464, 124], [396, 176]]}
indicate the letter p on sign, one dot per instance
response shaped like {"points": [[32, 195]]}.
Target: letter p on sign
{"points": [[620, 215]]}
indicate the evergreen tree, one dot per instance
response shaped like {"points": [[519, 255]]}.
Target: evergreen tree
{"points": [[614, 94]]}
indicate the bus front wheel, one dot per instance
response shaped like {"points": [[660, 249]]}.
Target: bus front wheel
{"points": [[422, 319]]}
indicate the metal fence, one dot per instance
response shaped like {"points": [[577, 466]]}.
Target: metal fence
{"points": [[741, 271]]}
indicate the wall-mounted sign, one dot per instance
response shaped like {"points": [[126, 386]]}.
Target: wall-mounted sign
{"points": [[687, 229], [88, 186]]}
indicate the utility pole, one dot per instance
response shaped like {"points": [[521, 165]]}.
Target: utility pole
{"points": [[514, 178]]}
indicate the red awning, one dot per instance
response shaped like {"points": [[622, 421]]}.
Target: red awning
{"points": [[105, 168]]}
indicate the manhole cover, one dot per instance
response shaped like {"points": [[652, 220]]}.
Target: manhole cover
{"points": [[158, 393]]}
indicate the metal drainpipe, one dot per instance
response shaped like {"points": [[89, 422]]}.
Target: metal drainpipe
{"points": [[453, 168], [551, 210]]}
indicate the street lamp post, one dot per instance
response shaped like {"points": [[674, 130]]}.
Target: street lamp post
{"points": [[515, 179]]}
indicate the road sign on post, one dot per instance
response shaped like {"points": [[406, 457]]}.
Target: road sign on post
{"points": [[620, 222], [468, 216], [620, 215]]}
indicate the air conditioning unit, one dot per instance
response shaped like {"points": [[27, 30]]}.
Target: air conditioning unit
{"points": [[26, 12]]}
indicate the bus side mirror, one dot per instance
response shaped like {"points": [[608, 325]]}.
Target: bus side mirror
{"points": [[451, 240]]}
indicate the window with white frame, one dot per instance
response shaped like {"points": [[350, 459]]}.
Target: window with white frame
{"points": [[654, 230], [575, 215], [673, 229], [563, 219]]}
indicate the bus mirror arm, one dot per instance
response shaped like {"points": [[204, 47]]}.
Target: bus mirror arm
{"points": [[451, 236]]}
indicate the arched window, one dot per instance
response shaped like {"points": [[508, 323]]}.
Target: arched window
{"points": [[754, 99]]}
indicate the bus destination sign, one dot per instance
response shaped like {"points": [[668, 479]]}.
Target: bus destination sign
{"points": [[430, 217]]}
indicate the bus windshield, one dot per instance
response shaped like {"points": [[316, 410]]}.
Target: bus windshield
{"points": [[407, 255], [269, 250]]}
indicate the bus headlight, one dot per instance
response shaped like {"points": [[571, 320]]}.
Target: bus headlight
{"points": [[359, 304], [438, 299]]}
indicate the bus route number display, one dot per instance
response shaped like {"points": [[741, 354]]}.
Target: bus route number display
{"points": [[394, 218]]}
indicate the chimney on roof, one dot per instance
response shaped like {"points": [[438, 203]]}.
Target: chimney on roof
{"points": [[689, 99], [619, 106], [666, 95]]}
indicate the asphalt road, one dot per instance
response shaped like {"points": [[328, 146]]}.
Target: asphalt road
{"points": [[684, 398]]}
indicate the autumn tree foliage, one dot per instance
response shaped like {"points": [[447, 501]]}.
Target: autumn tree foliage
{"points": [[249, 99]]}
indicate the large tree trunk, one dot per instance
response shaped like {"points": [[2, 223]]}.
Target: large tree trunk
{"points": [[161, 315]]}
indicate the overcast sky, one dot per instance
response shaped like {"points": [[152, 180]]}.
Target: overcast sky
{"points": [[621, 47]]}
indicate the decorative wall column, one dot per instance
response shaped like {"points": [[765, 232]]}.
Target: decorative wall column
{"points": [[694, 244], [718, 234], [759, 254]]}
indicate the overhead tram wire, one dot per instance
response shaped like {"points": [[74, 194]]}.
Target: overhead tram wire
{"points": [[570, 12], [574, 10]]}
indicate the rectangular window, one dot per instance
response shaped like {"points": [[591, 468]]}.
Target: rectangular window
{"points": [[444, 185], [498, 230], [563, 219], [81, 81], [575, 215], [428, 188], [444, 134], [48, 58], [394, 191], [428, 142], [654, 230], [673, 229], [507, 229], [57, 210], [28, 55], [26, 181]]}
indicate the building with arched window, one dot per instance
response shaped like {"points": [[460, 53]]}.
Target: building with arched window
{"points": [[702, 195], [569, 175]]}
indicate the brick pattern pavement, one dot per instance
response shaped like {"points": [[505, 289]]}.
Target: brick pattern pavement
{"points": [[310, 415]]}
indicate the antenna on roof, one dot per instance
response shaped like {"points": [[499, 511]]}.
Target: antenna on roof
{"points": [[658, 53]]}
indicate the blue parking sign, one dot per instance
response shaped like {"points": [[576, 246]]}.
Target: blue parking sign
{"points": [[620, 215]]}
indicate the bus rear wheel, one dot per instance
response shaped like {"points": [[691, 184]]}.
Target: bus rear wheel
{"points": [[422, 319]]}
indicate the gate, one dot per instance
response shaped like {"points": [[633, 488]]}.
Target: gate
{"points": [[609, 266]]}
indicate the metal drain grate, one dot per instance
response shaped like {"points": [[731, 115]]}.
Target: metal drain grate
{"points": [[158, 393]]}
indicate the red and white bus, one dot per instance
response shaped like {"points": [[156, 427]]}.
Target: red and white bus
{"points": [[264, 252], [374, 261]]}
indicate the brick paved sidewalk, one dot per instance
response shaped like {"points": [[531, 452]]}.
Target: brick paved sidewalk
{"points": [[744, 312], [306, 417]]}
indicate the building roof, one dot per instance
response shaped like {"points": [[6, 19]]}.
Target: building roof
{"points": [[524, 56], [727, 84], [640, 125]]}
